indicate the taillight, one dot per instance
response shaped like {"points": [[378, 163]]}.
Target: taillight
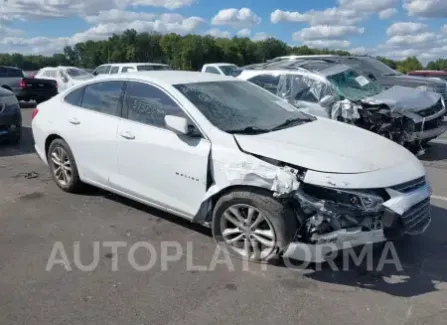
{"points": [[34, 113], [22, 84]]}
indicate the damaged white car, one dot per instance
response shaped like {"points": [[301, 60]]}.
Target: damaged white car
{"points": [[408, 116], [268, 179]]}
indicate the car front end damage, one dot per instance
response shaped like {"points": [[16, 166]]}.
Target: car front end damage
{"points": [[335, 219]]}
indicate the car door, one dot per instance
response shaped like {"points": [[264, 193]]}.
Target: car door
{"points": [[156, 164], [93, 116]]}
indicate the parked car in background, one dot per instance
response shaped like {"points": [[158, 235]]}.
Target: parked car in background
{"points": [[65, 77], [268, 179], [408, 116], [225, 69], [10, 117], [378, 71], [113, 68], [26, 88], [436, 74]]}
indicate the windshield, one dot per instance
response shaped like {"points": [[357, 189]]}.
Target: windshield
{"points": [[238, 105], [378, 68], [230, 70], [77, 73], [152, 67], [353, 86]]}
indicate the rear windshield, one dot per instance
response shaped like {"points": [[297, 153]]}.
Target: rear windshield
{"points": [[151, 67], [10, 72]]}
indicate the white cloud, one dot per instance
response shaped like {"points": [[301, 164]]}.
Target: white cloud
{"points": [[236, 17], [330, 16], [359, 50], [387, 13], [405, 28], [244, 33], [426, 8], [367, 5], [413, 40], [332, 44], [26, 9], [261, 36], [215, 32], [325, 32], [9, 32], [47, 45], [444, 29]]}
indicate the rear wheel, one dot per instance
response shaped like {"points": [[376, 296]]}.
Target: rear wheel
{"points": [[63, 166], [253, 225]]}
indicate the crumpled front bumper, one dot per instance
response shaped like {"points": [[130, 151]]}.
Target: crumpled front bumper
{"points": [[412, 208]]}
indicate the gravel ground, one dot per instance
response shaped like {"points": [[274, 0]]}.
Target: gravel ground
{"points": [[35, 214]]}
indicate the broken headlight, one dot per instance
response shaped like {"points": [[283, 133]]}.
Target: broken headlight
{"points": [[363, 200]]}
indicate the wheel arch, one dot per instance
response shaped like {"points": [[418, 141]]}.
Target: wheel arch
{"points": [[205, 214], [7, 87], [50, 139]]}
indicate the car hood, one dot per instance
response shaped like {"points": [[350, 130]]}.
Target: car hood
{"points": [[414, 81], [400, 99], [327, 146]]}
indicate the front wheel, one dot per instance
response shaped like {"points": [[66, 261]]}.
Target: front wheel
{"points": [[63, 166], [253, 225]]}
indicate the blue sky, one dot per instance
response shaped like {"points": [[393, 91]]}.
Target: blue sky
{"points": [[395, 28]]}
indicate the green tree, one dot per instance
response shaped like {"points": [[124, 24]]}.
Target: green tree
{"points": [[409, 64]]}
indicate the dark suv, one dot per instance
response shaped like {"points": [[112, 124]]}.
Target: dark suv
{"points": [[376, 70]]}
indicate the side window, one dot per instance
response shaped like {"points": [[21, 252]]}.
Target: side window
{"points": [[75, 97], [267, 81], [103, 97], [212, 70], [99, 70], [125, 69], [114, 70], [307, 89], [149, 105], [107, 69]]}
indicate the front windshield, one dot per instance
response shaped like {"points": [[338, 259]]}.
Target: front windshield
{"points": [[231, 70], [77, 73], [380, 68], [235, 106], [153, 67], [353, 86]]}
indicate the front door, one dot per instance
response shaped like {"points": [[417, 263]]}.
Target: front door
{"points": [[154, 163]]}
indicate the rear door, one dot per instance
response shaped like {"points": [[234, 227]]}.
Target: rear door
{"points": [[154, 163], [92, 118]]}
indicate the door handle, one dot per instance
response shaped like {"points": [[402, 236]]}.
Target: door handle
{"points": [[74, 121], [127, 135]]}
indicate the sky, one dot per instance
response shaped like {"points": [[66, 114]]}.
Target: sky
{"points": [[392, 28]]}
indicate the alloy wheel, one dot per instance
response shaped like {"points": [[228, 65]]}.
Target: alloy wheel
{"points": [[61, 166], [247, 232]]}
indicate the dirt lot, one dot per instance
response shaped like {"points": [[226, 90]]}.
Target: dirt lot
{"points": [[34, 214]]}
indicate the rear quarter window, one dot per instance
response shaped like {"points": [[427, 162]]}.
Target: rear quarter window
{"points": [[75, 97]]}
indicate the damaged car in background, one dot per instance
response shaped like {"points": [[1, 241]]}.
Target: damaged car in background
{"points": [[270, 180], [410, 117]]}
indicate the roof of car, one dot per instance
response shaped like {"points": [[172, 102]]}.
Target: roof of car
{"points": [[170, 77], [219, 64], [434, 72], [128, 64]]}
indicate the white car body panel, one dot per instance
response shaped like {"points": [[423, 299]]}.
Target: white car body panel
{"points": [[217, 66], [61, 84], [161, 168]]}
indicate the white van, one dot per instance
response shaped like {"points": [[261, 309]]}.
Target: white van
{"points": [[113, 68]]}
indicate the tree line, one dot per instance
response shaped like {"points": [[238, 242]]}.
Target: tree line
{"points": [[188, 52]]}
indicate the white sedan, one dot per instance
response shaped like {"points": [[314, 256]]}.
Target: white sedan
{"points": [[268, 179]]}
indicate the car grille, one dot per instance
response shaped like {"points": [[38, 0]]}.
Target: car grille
{"points": [[417, 219], [410, 186], [428, 125], [442, 91], [431, 110]]}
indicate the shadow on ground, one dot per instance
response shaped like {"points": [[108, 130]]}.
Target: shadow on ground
{"points": [[26, 145], [93, 191], [418, 266], [437, 151]]}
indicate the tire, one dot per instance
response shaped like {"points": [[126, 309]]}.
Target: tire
{"points": [[73, 183], [278, 217]]}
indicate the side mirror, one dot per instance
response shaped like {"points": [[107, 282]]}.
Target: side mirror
{"points": [[327, 101], [177, 124], [371, 76]]}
